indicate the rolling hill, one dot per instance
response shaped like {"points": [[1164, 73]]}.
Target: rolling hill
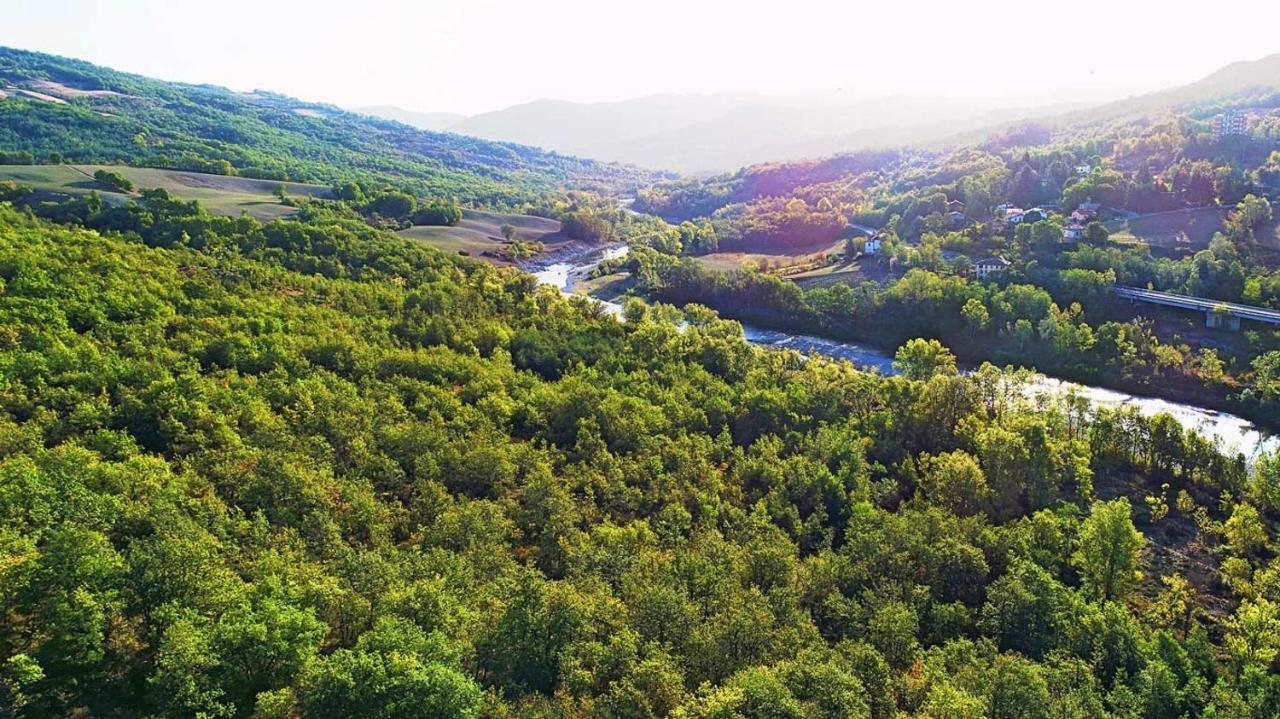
{"points": [[480, 233], [219, 194], [1238, 81], [720, 132], [717, 132], [55, 108], [1254, 84]]}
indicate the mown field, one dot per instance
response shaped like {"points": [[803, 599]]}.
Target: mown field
{"points": [[220, 194], [860, 270], [769, 260], [1188, 230], [477, 234], [481, 232]]}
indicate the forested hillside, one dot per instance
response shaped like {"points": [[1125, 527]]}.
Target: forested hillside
{"points": [[1176, 195], [309, 469], [55, 109]]}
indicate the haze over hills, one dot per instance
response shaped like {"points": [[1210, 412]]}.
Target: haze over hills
{"points": [[430, 121], [1238, 78], [1245, 84], [709, 133], [720, 132]]}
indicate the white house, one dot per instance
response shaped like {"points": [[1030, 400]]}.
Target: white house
{"points": [[1014, 215], [1073, 232], [872, 245], [987, 266], [1089, 207]]}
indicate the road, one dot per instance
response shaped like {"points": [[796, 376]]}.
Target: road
{"points": [[1210, 307]]}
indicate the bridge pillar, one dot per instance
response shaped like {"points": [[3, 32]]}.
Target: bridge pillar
{"points": [[1219, 319]]}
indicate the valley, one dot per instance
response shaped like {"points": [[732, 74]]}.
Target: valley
{"points": [[904, 409], [1232, 434]]}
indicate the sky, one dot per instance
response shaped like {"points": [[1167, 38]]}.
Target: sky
{"points": [[471, 56]]}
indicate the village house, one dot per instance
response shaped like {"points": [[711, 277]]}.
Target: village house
{"points": [[955, 219], [987, 266], [1073, 232], [1089, 208], [872, 244], [1013, 215]]}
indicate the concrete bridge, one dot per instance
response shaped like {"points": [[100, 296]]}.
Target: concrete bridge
{"points": [[1217, 313]]}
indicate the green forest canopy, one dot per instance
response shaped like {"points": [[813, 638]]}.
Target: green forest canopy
{"points": [[310, 469]]}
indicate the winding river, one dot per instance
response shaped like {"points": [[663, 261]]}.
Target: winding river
{"points": [[1232, 434]]}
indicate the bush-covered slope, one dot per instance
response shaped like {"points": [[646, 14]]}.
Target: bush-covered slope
{"points": [[314, 470], [92, 114]]}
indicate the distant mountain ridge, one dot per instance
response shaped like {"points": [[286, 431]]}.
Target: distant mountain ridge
{"points": [[704, 134], [718, 132], [1238, 79], [1252, 84], [429, 121]]}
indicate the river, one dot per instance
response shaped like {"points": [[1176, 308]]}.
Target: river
{"points": [[1231, 433]]}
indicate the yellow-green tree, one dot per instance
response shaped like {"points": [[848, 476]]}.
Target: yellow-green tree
{"points": [[1109, 547]]}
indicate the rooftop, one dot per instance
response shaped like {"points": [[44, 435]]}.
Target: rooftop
{"points": [[996, 260]]}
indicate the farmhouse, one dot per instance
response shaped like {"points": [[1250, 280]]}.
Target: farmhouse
{"points": [[872, 244], [1074, 232], [1035, 214], [1014, 215], [987, 266]]}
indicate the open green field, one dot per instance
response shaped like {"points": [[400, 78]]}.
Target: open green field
{"points": [[219, 194], [481, 232], [771, 261], [1188, 230], [607, 287]]}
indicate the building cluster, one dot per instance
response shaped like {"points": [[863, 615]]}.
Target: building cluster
{"points": [[1087, 211], [981, 268], [1230, 124], [1008, 215], [1005, 216]]}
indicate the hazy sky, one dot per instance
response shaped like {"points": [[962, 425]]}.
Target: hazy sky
{"points": [[475, 55]]}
